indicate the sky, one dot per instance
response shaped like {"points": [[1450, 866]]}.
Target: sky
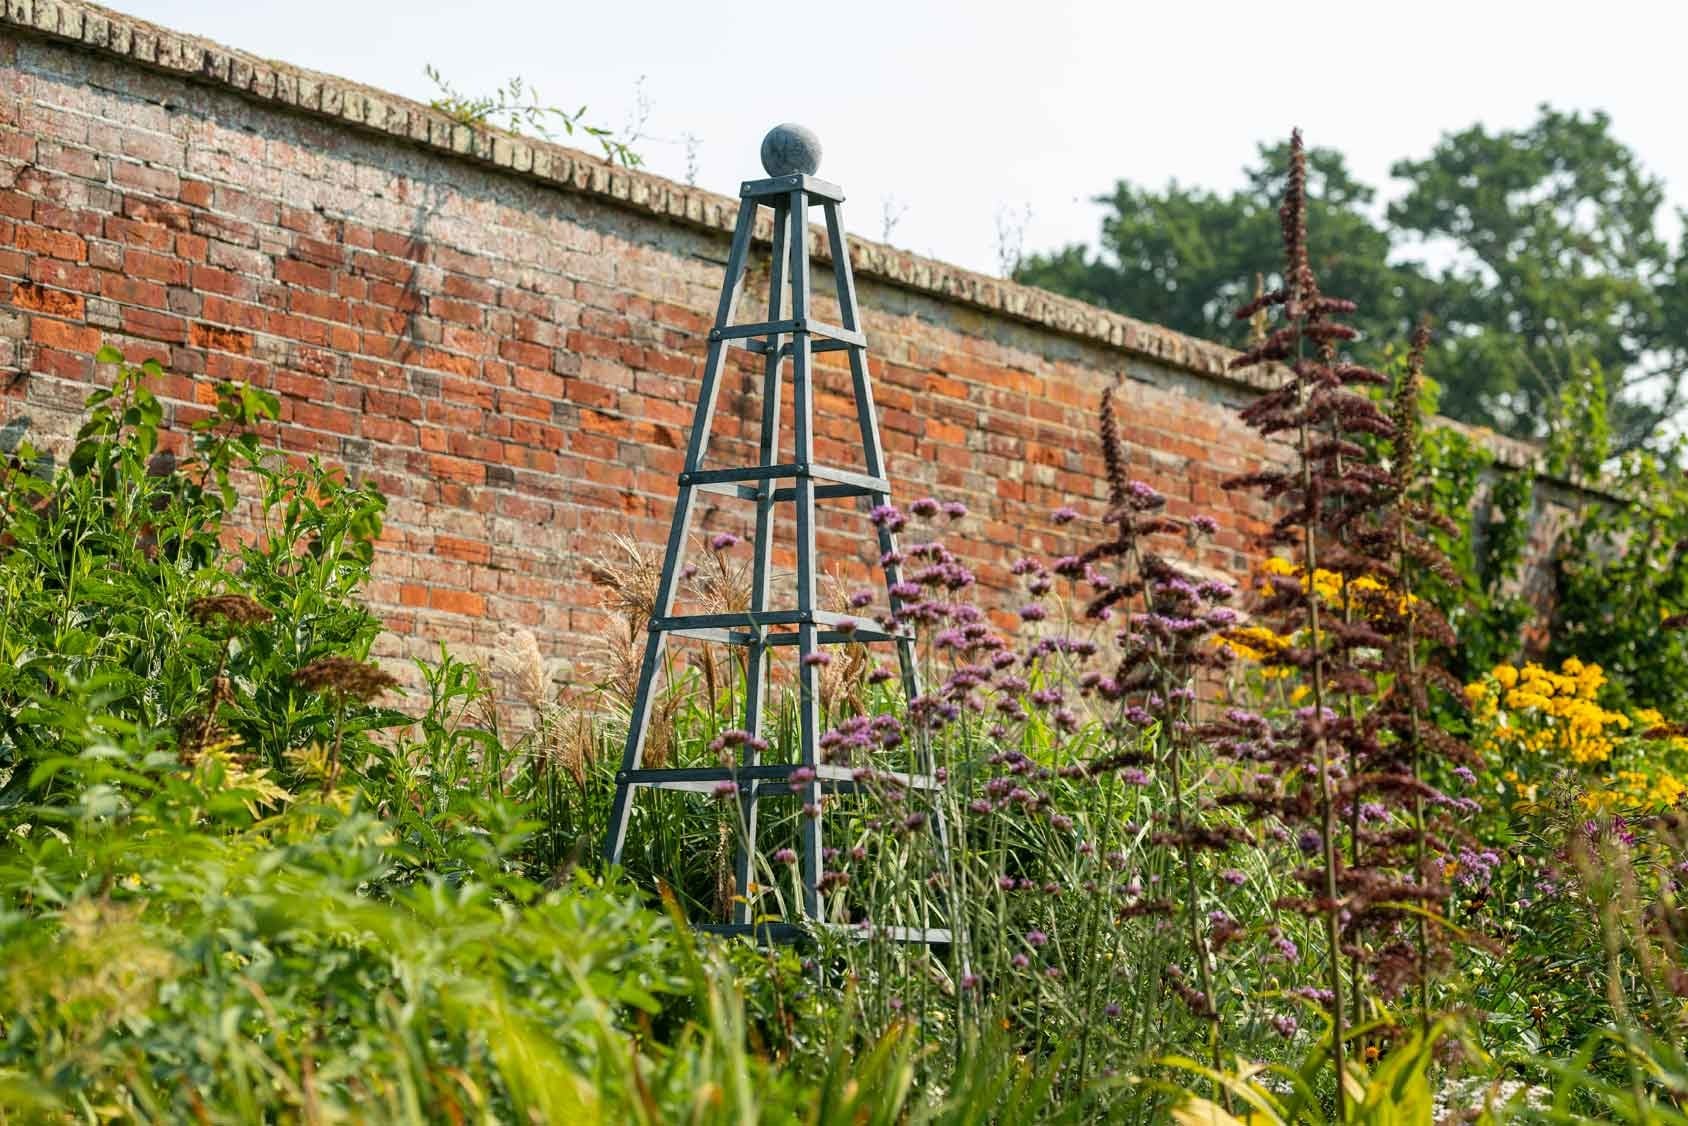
{"points": [[947, 122]]}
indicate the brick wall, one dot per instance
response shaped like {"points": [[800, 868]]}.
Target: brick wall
{"points": [[506, 337]]}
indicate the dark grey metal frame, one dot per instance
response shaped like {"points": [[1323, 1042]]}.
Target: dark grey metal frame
{"points": [[797, 336]]}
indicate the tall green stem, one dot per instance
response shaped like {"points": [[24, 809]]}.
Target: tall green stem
{"points": [[1327, 804], [1420, 847]]}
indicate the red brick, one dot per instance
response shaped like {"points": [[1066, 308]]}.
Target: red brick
{"points": [[132, 291], [319, 417], [66, 365], [64, 335], [220, 339], [295, 272], [56, 244], [470, 551], [155, 326], [456, 602], [45, 300], [157, 267]]}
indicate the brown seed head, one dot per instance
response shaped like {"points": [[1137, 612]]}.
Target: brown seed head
{"points": [[344, 677], [236, 609]]}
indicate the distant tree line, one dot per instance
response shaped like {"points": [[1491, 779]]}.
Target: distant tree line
{"points": [[1560, 305]]}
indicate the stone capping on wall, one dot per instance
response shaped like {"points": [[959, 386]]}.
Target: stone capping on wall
{"points": [[362, 107]]}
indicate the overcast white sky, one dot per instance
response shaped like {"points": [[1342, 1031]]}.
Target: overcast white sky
{"points": [[953, 112]]}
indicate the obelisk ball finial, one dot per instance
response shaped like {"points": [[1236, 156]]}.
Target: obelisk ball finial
{"points": [[790, 148]]}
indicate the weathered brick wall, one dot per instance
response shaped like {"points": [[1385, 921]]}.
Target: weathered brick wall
{"points": [[507, 337]]}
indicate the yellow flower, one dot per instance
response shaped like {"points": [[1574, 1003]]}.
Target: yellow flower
{"points": [[1506, 675], [1593, 801], [1666, 790], [1253, 643]]}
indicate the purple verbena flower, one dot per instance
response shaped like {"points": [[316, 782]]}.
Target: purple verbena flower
{"points": [[888, 516]]}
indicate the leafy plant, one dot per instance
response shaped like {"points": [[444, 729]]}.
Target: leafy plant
{"points": [[1622, 572], [516, 107]]}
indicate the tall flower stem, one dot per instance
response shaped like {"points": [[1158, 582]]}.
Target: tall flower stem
{"points": [[1092, 923], [1172, 743], [1420, 844], [1327, 803], [1198, 944]]}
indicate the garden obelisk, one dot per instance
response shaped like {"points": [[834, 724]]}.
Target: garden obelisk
{"points": [[790, 332]]}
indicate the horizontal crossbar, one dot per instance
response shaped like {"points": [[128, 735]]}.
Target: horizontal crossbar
{"points": [[822, 492], [742, 620], [817, 188], [775, 777], [763, 347], [861, 636], [752, 626], [845, 336], [861, 482], [781, 932]]}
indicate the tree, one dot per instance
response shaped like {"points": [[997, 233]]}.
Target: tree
{"points": [[1185, 257], [1561, 311], [1559, 277]]}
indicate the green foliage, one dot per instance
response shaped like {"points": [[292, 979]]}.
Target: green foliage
{"points": [[202, 918], [1185, 257], [226, 897], [105, 557], [1560, 291], [1397, 1091], [1560, 274], [516, 108], [1489, 512], [1621, 570], [1580, 434], [167, 951]]}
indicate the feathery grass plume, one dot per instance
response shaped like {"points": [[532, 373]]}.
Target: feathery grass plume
{"points": [[561, 735], [628, 580], [726, 883], [527, 665], [722, 582], [843, 681], [1332, 485]]}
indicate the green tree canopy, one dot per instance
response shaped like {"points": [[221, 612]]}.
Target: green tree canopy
{"points": [[1558, 273], [1186, 257], [1536, 251]]}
